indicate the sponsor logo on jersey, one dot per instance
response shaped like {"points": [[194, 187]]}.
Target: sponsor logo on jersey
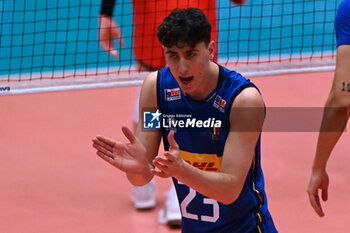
{"points": [[206, 162], [172, 94], [219, 103]]}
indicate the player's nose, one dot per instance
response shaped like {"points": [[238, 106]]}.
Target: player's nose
{"points": [[183, 68]]}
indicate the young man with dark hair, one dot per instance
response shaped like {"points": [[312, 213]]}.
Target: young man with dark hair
{"points": [[211, 119], [148, 52]]}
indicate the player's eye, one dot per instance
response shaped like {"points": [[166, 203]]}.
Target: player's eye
{"points": [[173, 55], [190, 55]]}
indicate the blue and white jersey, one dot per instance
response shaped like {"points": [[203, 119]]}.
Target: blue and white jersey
{"points": [[342, 23], [201, 140]]}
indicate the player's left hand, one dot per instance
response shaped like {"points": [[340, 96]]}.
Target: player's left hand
{"points": [[319, 180], [170, 163]]}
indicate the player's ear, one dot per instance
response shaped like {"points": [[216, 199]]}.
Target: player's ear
{"points": [[211, 49]]}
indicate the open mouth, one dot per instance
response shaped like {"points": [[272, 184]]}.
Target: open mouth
{"points": [[186, 80]]}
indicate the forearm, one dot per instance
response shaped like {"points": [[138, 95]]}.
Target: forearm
{"points": [[335, 117], [220, 186], [149, 138], [107, 7]]}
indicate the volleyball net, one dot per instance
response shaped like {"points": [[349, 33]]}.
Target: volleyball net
{"points": [[54, 45]]}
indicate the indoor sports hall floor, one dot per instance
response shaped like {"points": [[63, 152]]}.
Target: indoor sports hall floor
{"points": [[52, 181]]}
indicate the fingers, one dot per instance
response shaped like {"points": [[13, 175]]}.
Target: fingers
{"points": [[171, 140], [101, 143], [129, 134], [159, 169], [159, 173], [101, 140], [169, 156], [161, 163], [113, 52], [118, 34], [315, 202], [316, 205], [105, 157], [108, 31], [102, 149], [109, 151], [108, 146], [106, 42], [115, 33]]}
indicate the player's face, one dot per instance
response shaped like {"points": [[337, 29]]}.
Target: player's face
{"points": [[190, 67]]}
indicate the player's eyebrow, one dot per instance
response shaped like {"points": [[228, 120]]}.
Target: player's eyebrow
{"points": [[192, 50], [187, 51], [170, 51]]}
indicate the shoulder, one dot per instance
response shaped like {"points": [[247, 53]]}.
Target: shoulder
{"points": [[149, 90], [344, 5], [343, 14], [150, 80], [249, 97], [247, 112], [233, 79]]}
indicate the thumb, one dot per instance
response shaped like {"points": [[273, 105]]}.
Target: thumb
{"points": [[129, 134], [324, 194], [171, 140]]}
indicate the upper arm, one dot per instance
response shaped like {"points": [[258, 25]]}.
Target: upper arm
{"points": [[340, 93], [150, 138], [246, 120]]}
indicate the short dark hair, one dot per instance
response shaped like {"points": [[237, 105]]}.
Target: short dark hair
{"points": [[188, 26]]}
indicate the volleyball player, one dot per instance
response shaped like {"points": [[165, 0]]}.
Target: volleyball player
{"points": [[336, 113], [149, 55], [216, 168]]}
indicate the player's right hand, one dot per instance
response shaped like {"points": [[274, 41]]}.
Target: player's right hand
{"points": [[129, 157], [319, 180], [171, 162], [108, 31]]}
